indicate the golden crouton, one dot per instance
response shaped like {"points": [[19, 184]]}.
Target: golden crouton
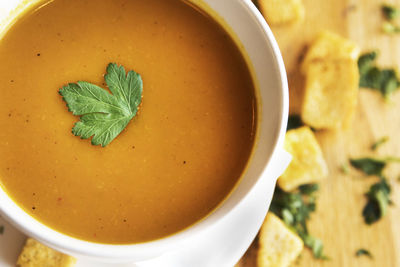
{"points": [[331, 82], [278, 246], [307, 165], [35, 254], [329, 46], [330, 97], [278, 12]]}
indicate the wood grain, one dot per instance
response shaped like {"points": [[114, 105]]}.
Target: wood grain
{"points": [[338, 221]]}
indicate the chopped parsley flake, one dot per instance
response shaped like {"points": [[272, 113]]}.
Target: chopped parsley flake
{"points": [[390, 12], [369, 166], [390, 28], [384, 81], [380, 142], [363, 252]]}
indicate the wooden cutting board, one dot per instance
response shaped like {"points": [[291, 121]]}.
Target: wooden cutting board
{"points": [[338, 221]]}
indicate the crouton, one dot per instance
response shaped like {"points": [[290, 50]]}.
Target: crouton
{"points": [[331, 82], [278, 12], [308, 164], [35, 254], [330, 46], [331, 90], [278, 245]]}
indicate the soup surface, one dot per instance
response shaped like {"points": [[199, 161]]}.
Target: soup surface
{"points": [[177, 159]]}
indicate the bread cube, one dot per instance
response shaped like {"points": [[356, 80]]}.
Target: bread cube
{"points": [[330, 46], [331, 82], [278, 12], [35, 254], [278, 245], [330, 97], [308, 164]]}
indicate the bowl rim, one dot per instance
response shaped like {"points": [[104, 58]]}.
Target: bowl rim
{"points": [[32, 227]]}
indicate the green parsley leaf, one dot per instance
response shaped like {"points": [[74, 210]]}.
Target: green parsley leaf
{"points": [[390, 12], [380, 142], [104, 115], [316, 246], [369, 166], [1, 229], [378, 200], [362, 251], [294, 122], [295, 209], [383, 80]]}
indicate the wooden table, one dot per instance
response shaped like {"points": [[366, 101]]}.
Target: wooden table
{"points": [[338, 221]]}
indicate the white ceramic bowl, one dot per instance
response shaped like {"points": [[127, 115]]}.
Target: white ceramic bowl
{"points": [[267, 163]]}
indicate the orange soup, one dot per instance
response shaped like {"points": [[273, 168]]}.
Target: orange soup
{"points": [[174, 162]]}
